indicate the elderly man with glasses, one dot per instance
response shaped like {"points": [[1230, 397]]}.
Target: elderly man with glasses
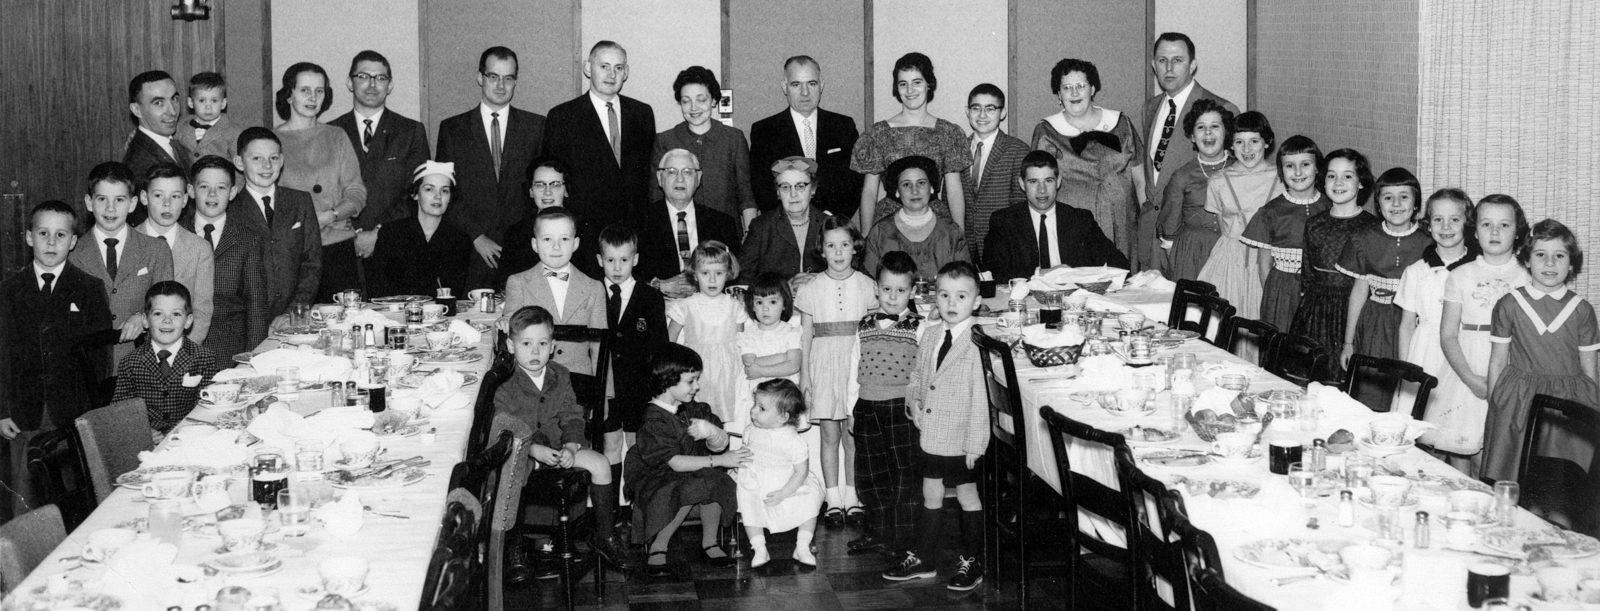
{"points": [[670, 228]]}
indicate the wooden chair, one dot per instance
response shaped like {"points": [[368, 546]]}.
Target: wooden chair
{"points": [[1198, 548], [1212, 593], [57, 472], [1390, 373], [1240, 333], [1210, 308], [454, 579], [1180, 310], [1008, 478], [475, 483], [1159, 563], [1297, 358], [1556, 489], [1107, 574], [110, 440], [25, 541], [590, 390], [483, 407]]}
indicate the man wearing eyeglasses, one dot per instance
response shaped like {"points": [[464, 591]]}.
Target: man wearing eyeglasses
{"points": [[669, 229], [606, 139], [996, 156], [390, 147], [491, 145]]}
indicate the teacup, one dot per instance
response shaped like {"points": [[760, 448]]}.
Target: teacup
{"points": [[210, 493], [1126, 401], [400, 361], [348, 297], [433, 312], [442, 293], [440, 340], [106, 542], [343, 575], [1460, 529], [358, 448], [168, 485], [477, 294], [329, 313], [242, 534], [221, 393], [1233, 444], [1388, 490], [1388, 431], [406, 404], [1558, 583]]}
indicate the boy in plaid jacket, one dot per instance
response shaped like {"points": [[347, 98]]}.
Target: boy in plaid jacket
{"points": [[168, 370]]}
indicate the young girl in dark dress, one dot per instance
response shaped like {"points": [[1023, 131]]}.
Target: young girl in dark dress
{"points": [[679, 461], [1347, 182], [1376, 258], [1278, 229]]}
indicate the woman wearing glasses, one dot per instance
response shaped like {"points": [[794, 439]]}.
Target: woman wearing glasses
{"points": [[784, 240], [912, 131], [723, 151], [547, 187], [1097, 150], [319, 159]]}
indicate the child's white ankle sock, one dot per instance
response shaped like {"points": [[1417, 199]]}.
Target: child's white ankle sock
{"points": [[831, 495], [850, 498]]}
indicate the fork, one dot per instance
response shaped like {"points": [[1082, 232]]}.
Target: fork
{"points": [[1283, 581]]}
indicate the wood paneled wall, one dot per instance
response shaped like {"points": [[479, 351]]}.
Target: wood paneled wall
{"points": [[66, 67]]}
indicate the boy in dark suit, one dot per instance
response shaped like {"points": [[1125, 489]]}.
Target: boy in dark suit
{"points": [[45, 310], [284, 216], [540, 393], [637, 316], [239, 315], [126, 261], [167, 370]]}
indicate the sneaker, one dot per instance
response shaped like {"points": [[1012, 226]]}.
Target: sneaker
{"points": [[969, 573], [910, 568]]}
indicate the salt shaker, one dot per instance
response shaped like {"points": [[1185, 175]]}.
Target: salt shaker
{"points": [[1347, 508], [1317, 457], [1420, 540]]}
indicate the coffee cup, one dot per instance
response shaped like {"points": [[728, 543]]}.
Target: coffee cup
{"points": [[168, 485], [220, 393], [242, 534], [344, 575], [348, 297], [1282, 453], [211, 493], [476, 294], [433, 312], [1233, 444], [328, 313], [358, 448], [1558, 584], [1388, 490], [440, 340], [1487, 580], [1388, 431], [105, 543]]}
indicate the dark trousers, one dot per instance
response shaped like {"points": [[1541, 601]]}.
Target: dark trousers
{"points": [[886, 473], [341, 270]]}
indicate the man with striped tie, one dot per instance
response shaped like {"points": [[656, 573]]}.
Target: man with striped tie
{"points": [[1173, 62], [669, 229]]}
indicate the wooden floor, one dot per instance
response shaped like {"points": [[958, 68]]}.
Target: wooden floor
{"points": [[840, 581]]}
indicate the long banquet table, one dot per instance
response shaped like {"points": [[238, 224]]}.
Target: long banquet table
{"points": [[398, 549], [1430, 579]]}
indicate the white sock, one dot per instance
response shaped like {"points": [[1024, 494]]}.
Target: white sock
{"points": [[850, 498], [802, 548], [802, 538], [758, 541], [759, 556], [831, 495]]}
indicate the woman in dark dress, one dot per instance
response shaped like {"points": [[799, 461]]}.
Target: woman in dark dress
{"points": [[1188, 230], [1321, 315], [419, 255], [679, 462], [785, 240]]}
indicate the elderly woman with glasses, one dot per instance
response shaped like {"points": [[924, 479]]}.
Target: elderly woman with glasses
{"points": [[784, 240]]}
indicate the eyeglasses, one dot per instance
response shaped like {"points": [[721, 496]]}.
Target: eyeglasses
{"points": [[548, 186], [685, 173], [509, 79], [363, 77], [987, 109], [1076, 88], [793, 188]]}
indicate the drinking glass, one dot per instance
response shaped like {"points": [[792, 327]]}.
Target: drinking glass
{"points": [[308, 456], [1357, 470], [288, 379], [1304, 480], [379, 366], [294, 512], [269, 473], [1310, 413], [1506, 495], [297, 314], [166, 521], [1234, 381]]}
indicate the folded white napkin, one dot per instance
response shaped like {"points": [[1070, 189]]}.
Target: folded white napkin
{"points": [[314, 367], [469, 336], [218, 448], [1041, 336], [442, 391], [242, 372], [1100, 302], [345, 516], [377, 319], [1064, 277], [280, 427], [1340, 411], [140, 573], [1150, 279], [1104, 372], [1019, 292], [1219, 400]]}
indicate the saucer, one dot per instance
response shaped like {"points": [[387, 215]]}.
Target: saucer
{"points": [[315, 591]]}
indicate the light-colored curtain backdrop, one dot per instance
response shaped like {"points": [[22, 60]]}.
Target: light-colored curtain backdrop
{"points": [[1510, 103]]}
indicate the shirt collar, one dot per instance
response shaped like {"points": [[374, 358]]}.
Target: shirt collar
{"points": [[802, 119], [627, 286], [376, 117], [1183, 95], [540, 378], [485, 110], [164, 141], [1036, 214], [671, 409], [273, 192], [153, 230], [156, 347], [565, 269], [960, 328], [600, 105], [121, 235], [673, 210], [38, 271], [1536, 293], [988, 141]]}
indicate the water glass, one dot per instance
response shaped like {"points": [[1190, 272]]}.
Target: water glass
{"points": [[1180, 407], [379, 366], [1358, 469], [297, 314], [308, 456], [1303, 479], [288, 379], [1234, 381], [166, 521], [1310, 413], [1506, 495], [294, 512]]}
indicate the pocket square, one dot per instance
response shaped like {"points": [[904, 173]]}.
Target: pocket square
{"points": [[392, 158], [191, 380], [143, 271], [296, 226], [74, 308], [832, 151]]}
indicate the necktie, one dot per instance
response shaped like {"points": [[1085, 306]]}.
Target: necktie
{"points": [[210, 228], [163, 240], [562, 276], [944, 349], [1166, 134], [683, 238], [162, 365], [494, 141], [616, 132], [48, 279], [809, 146], [1044, 241], [266, 204], [366, 134], [614, 306], [111, 258], [977, 164]]}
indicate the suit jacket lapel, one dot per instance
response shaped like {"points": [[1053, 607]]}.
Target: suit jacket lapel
{"points": [[573, 296], [594, 123], [1063, 245], [957, 349]]}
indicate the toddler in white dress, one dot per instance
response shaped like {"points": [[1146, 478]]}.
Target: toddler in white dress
{"points": [[777, 491]]}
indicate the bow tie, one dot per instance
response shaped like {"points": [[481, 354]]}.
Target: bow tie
{"points": [[198, 125], [562, 276], [882, 316]]}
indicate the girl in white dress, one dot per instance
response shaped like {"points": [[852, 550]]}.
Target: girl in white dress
{"points": [[770, 348], [777, 490], [1449, 220], [708, 322]]}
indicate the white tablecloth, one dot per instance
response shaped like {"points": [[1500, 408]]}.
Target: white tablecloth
{"points": [[398, 549]]}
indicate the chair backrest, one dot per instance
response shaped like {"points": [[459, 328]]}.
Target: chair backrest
{"points": [[57, 472], [1005, 397], [1084, 492], [1199, 549], [110, 440], [1240, 333], [1390, 373], [483, 408], [25, 541], [1572, 416], [590, 390], [1179, 312], [1296, 358], [454, 580], [1159, 563], [1210, 309], [1212, 593]]}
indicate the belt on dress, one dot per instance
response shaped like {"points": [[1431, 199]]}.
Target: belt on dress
{"points": [[834, 329], [1472, 327]]}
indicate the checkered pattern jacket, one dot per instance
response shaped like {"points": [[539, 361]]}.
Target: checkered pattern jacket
{"points": [[167, 399], [948, 402]]}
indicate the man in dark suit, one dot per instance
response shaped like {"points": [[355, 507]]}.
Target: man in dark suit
{"points": [[153, 102], [285, 217], [1043, 233], [491, 146], [390, 147], [1169, 146], [606, 139], [990, 182], [46, 308], [808, 131], [671, 228]]}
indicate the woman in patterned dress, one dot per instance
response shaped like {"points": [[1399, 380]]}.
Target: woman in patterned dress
{"points": [[912, 131]]}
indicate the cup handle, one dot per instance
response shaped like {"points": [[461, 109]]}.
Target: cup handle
{"points": [[455, 340], [314, 315], [150, 490]]}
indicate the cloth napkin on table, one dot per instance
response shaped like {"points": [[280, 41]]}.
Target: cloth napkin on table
{"points": [[344, 517], [314, 367], [140, 574], [1104, 373], [280, 427], [1063, 277], [469, 336], [242, 372], [1340, 411], [1150, 279], [219, 448], [1219, 400], [378, 320], [1042, 336], [442, 391]]}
